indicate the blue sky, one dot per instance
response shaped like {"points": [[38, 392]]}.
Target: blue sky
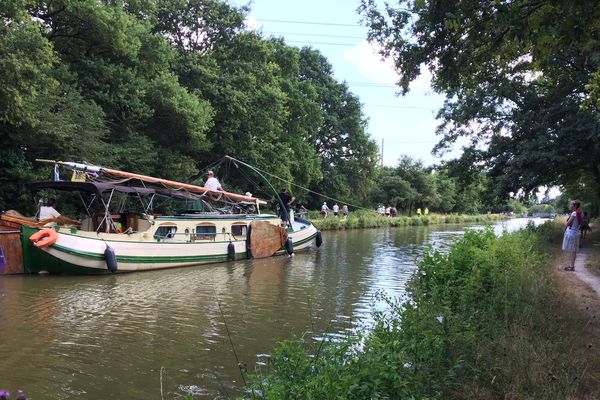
{"points": [[405, 123]]}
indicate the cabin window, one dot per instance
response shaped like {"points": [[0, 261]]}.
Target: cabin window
{"points": [[206, 232], [239, 230], [165, 232]]}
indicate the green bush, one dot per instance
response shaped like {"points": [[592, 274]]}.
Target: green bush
{"points": [[370, 219]]}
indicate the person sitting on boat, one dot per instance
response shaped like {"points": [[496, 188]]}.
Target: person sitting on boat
{"points": [[212, 183], [49, 212]]}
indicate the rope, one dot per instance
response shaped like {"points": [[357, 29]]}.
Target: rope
{"points": [[304, 188]]}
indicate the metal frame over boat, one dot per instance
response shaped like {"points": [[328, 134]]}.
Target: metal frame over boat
{"points": [[155, 241]]}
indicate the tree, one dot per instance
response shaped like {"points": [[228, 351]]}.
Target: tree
{"points": [[42, 114], [391, 189], [516, 76], [348, 154], [155, 125]]}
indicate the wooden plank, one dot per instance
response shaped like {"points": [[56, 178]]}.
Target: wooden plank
{"points": [[265, 239], [10, 241]]}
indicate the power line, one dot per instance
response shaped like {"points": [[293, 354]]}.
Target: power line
{"points": [[322, 43], [411, 142], [374, 85], [314, 34], [310, 23], [391, 106]]}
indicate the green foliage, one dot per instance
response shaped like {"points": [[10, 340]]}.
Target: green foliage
{"points": [[445, 189], [371, 219], [521, 80], [474, 327], [165, 87]]}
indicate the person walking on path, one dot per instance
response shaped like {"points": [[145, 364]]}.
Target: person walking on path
{"points": [[345, 210], [336, 209], [585, 225], [571, 238], [324, 209]]}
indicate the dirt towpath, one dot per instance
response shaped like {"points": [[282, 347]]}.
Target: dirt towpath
{"points": [[582, 272]]}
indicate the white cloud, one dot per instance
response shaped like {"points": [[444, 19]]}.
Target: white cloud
{"points": [[373, 67], [252, 23], [365, 58]]}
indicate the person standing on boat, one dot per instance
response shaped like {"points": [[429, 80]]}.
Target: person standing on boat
{"points": [[212, 183], [571, 238], [287, 200]]}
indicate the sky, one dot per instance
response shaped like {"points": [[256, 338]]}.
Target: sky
{"points": [[405, 125]]}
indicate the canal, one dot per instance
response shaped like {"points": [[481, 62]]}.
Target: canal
{"points": [[123, 336]]}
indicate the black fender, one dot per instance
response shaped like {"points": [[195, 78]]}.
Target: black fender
{"points": [[248, 242], [230, 252], [111, 259], [319, 239], [289, 246]]}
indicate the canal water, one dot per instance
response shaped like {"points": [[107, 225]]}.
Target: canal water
{"points": [[125, 336]]}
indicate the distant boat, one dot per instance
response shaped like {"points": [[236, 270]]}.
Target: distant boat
{"points": [[120, 238]]}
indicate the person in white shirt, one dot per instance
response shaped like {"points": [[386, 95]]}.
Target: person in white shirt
{"points": [[48, 211], [570, 238], [324, 209], [212, 183], [336, 209]]}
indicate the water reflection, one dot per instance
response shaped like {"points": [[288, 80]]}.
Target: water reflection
{"points": [[109, 336]]}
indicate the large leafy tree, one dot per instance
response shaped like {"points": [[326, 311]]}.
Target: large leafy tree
{"points": [[263, 113], [155, 125], [42, 113], [516, 75], [348, 154]]}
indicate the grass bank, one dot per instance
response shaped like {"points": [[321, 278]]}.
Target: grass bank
{"points": [[370, 219], [484, 321]]}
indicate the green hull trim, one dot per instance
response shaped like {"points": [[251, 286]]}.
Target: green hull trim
{"points": [[36, 260], [150, 259]]}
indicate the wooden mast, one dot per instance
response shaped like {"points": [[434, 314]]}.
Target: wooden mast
{"points": [[151, 179]]}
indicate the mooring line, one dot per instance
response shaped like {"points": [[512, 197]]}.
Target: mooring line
{"points": [[239, 364]]}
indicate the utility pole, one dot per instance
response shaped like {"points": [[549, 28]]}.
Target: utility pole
{"points": [[382, 152]]}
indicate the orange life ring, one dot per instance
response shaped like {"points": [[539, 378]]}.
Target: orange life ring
{"points": [[44, 238]]}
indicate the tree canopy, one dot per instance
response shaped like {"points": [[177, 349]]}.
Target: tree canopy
{"points": [[521, 80], [166, 87]]}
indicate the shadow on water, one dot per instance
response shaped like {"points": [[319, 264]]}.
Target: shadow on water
{"points": [[108, 336]]}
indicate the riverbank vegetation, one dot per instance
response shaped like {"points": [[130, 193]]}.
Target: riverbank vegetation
{"points": [[167, 88], [482, 321], [370, 219]]}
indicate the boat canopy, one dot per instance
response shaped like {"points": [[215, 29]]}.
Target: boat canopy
{"points": [[103, 187], [91, 187]]}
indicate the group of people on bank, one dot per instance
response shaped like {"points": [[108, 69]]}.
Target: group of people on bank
{"points": [[335, 209], [393, 211]]}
